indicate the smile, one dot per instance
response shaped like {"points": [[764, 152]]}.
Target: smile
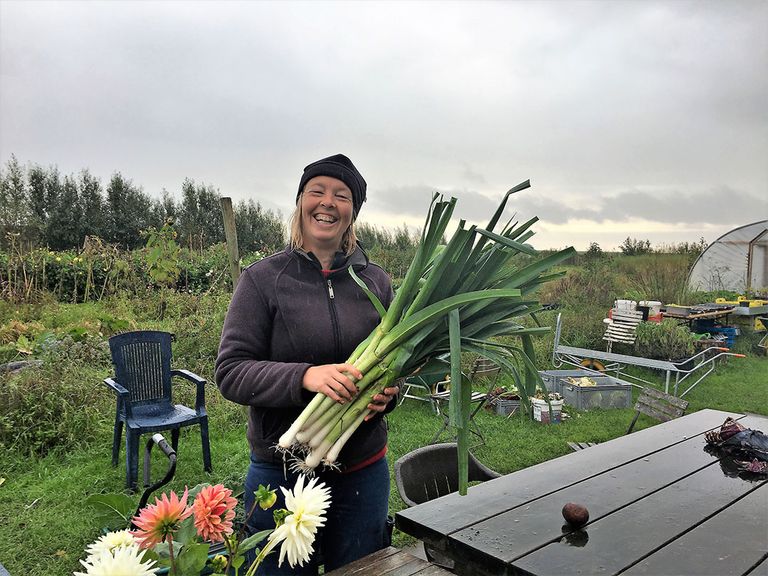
{"points": [[325, 218]]}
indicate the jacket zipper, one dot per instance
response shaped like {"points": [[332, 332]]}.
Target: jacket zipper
{"points": [[334, 321]]}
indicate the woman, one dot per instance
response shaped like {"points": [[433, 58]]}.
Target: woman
{"points": [[294, 319]]}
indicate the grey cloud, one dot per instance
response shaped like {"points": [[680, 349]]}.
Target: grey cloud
{"points": [[414, 201], [473, 177], [721, 205], [618, 98]]}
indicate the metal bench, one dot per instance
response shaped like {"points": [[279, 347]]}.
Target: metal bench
{"points": [[482, 368]]}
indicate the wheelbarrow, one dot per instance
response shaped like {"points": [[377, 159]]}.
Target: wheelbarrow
{"points": [[699, 365]]}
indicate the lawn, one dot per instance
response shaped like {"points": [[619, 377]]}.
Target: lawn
{"points": [[44, 525]]}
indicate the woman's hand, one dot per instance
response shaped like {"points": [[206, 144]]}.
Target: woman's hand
{"points": [[380, 401], [331, 380]]}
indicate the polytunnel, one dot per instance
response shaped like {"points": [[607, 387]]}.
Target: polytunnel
{"points": [[737, 261]]}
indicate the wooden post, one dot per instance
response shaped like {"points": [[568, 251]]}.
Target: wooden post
{"points": [[230, 233]]}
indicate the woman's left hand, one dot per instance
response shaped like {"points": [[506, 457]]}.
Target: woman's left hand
{"points": [[380, 401]]}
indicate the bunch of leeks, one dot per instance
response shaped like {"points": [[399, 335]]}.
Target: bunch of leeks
{"points": [[479, 275]]}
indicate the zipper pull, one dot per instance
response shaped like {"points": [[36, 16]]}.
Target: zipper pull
{"points": [[330, 289]]}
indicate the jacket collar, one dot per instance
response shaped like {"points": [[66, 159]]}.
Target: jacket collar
{"points": [[358, 260]]}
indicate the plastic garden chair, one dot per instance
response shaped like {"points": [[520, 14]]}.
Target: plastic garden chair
{"points": [[422, 388], [433, 471], [142, 383], [482, 368]]}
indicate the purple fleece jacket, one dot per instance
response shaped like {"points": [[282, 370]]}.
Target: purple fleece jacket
{"points": [[286, 316]]}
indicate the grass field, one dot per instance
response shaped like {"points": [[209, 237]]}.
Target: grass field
{"points": [[44, 525], [56, 421]]}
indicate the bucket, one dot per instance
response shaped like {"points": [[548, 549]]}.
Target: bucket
{"points": [[541, 411], [625, 305], [654, 307]]}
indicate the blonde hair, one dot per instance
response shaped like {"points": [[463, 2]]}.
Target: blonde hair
{"points": [[348, 240]]}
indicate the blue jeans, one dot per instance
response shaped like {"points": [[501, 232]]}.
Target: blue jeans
{"points": [[356, 521]]}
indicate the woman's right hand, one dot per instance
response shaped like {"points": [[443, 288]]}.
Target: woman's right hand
{"points": [[331, 380]]}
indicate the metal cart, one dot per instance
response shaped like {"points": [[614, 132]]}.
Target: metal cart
{"points": [[701, 364]]}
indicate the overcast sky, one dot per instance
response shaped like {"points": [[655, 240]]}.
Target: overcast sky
{"points": [[641, 119]]}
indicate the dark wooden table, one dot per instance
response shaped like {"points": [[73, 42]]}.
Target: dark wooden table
{"points": [[389, 562], [658, 502]]}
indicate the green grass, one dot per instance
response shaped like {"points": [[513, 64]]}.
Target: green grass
{"points": [[44, 525]]}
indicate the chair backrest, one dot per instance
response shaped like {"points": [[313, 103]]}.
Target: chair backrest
{"points": [[656, 404], [432, 471], [434, 382], [622, 326], [483, 368], [142, 363]]}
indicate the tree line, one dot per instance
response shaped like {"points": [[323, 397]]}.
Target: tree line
{"points": [[40, 207]]}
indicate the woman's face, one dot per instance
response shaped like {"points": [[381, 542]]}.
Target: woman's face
{"points": [[326, 212]]}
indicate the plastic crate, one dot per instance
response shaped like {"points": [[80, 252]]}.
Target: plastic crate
{"points": [[506, 407], [553, 379], [730, 333], [710, 326], [608, 393]]}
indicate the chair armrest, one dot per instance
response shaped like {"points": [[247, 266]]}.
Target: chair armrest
{"points": [[122, 396], [116, 387], [199, 383]]}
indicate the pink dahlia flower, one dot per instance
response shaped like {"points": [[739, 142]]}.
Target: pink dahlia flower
{"points": [[157, 522], [214, 509]]}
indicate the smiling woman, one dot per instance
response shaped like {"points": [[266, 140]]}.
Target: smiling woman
{"points": [[295, 318], [331, 192], [326, 216]]}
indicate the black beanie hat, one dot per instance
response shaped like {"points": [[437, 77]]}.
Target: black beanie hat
{"points": [[341, 168]]}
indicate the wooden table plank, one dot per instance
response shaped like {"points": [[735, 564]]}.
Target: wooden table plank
{"points": [[760, 569], [412, 566], [435, 520], [517, 532], [535, 523], [389, 562], [359, 567], [617, 540], [735, 552], [432, 570]]}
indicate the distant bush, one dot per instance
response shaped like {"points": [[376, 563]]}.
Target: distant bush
{"points": [[660, 277], [57, 406], [635, 247], [583, 287], [701, 297], [392, 250]]}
